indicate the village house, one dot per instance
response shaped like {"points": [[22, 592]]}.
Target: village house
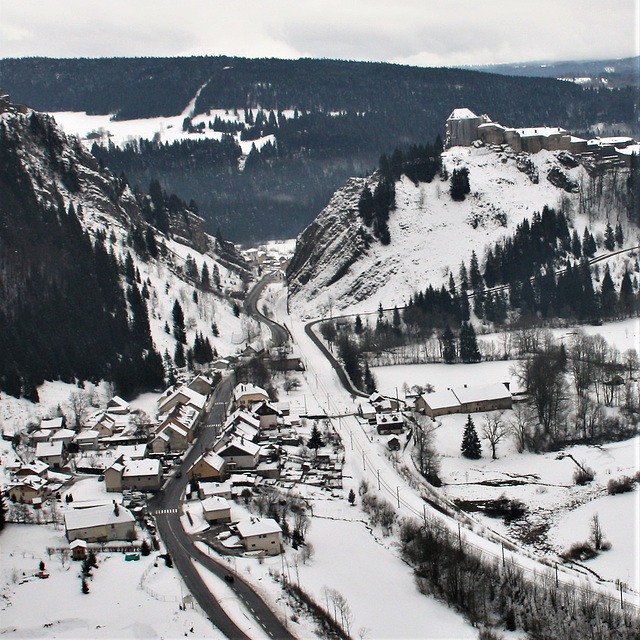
{"points": [[261, 534], [175, 430], [34, 468], [268, 414], [63, 435], [140, 475], [201, 384], [240, 454], [209, 466], [87, 439], [53, 423], [118, 406], [208, 489], [489, 397], [52, 453], [27, 489], [185, 396], [216, 510], [388, 423], [99, 524], [244, 395], [40, 435]]}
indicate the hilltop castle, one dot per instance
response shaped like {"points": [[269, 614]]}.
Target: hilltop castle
{"points": [[465, 128]]}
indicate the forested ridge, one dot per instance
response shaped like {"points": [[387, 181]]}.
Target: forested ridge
{"points": [[70, 308], [348, 113]]}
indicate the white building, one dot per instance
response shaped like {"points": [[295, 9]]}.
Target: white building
{"points": [[261, 534]]}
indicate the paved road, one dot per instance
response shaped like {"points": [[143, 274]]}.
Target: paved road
{"points": [[166, 507], [279, 334], [337, 367]]}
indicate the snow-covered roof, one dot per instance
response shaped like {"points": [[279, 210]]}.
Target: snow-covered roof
{"points": [[190, 397], [613, 141], [212, 459], [250, 448], [63, 434], [52, 423], [45, 449], [494, 391], [441, 399], [266, 408], [215, 503], [240, 415], [461, 114], [530, 132], [132, 451], [88, 434], [95, 517], [630, 150], [117, 404], [258, 527], [32, 481], [389, 418], [146, 467], [242, 390]]}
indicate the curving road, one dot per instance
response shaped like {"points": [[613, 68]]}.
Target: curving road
{"points": [[279, 334], [165, 506]]}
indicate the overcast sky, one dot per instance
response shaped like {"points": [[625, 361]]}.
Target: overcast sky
{"points": [[420, 32]]}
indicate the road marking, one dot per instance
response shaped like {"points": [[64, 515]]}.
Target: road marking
{"points": [[166, 511]]}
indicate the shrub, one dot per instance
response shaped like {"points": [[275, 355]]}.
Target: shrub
{"points": [[579, 551], [583, 475], [620, 485]]}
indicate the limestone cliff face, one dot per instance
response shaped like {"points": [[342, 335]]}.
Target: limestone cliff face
{"points": [[331, 244]]}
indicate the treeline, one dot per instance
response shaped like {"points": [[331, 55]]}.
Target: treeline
{"points": [[148, 87]]}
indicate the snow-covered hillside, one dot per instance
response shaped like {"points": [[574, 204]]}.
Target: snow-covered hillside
{"points": [[336, 268], [63, 175]]}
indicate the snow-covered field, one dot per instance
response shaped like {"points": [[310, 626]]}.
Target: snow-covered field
{"points": [[115, 607], [554, 502]]}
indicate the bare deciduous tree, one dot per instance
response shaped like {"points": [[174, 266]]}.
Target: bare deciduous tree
{"points": [[494, 431]]}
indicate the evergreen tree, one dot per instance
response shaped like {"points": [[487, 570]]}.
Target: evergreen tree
{"points": [[576, 245], [205, 279], [469, 351], [357, 327], [459, 184], [365, 206], [448, 346], [396, 318], [608, 296], [3, 512], [588, 244], [464, 278], [609, 238], [369, 380], [627, 296], [179, 357], [619, 235], [475, 277], [315, 440], [179, 332], [470, 447]]}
